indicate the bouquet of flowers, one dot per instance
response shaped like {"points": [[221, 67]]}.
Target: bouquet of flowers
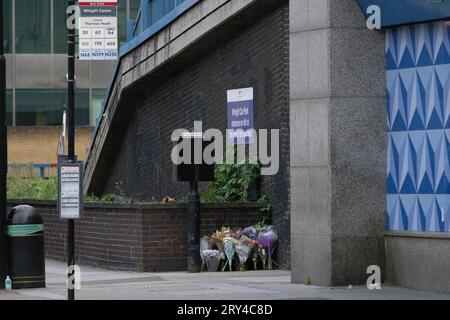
{"points": [[251, 232], [218, 238], [243, 249], [212, 259], [238, 234], [228, 243], [255, 241], [268, 240], [204, 245]]}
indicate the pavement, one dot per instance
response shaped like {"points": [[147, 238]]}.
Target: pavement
{"points": [[101, 284]]}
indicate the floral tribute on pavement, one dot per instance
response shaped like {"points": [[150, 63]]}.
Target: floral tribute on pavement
{"points": [[252, 248]]}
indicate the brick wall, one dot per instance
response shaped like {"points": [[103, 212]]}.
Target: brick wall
{"points": [[136, 237], [257, 57]]}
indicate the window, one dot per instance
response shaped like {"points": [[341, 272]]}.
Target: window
{"points": [[122, 16], [98, 98], [59, 26], [39, 107], [82, 107], [9, 109], [134, 8], [33, 26], [44, 107], [122, 20], [7, 20], [159, 8]]}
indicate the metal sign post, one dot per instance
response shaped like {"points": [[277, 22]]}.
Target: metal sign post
{"points": [[194, 173], [70, 207], [71, 144], [3, 157], [98, 41]]}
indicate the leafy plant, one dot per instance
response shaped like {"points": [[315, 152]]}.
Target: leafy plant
{"points": [[232, 183], [105, 198], [35, 188], [266, 210]]}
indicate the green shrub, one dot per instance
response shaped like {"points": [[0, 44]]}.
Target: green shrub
{"points": [[266, 210], [105, 198], [35, 188], [232, 183]]}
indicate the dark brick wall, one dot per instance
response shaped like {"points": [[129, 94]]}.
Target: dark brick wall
{"points": [[136, 237], [256, 57], [162, 252]]}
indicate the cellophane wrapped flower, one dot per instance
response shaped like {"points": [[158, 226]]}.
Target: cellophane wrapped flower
{"points": [[238, 234], [243, 249], [217, 240], [246, 240], [212, 259], [251, 232], [204, 245], [228, 244], [268, 240]]}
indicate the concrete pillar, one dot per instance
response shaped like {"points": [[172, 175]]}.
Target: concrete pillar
{"points": [[338, 143]]}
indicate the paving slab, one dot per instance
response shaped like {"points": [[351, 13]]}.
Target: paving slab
{"points": [[101, 284]]}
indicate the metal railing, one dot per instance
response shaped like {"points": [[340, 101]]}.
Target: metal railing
{"points": [[32, 170]]}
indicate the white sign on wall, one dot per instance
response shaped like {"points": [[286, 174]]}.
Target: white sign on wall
{"points": [[240, 116], [97, 30]]}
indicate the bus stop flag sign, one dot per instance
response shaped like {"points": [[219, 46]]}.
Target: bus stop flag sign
{"points": [[98, 36], [70, 201]]}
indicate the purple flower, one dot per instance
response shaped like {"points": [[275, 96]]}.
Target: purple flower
{"points": [[268, 240]]}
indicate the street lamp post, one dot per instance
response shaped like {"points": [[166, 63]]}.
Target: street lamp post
{"points": [[71, 141], [3, 157]]}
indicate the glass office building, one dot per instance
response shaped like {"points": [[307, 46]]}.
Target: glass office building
{"points": [[36, 45]]}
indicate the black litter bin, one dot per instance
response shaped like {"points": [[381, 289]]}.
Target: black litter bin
{"points": [[26, 241]]}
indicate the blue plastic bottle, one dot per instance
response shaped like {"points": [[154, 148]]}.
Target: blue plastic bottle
{"points": [[8, 283]]}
